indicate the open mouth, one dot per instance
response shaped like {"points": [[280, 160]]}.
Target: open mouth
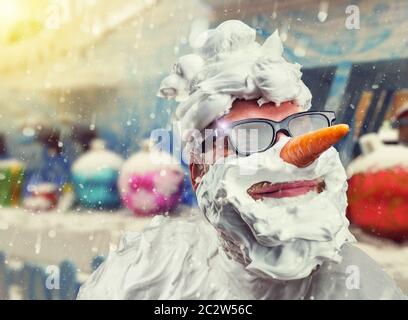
{"points": [[266, 189]]}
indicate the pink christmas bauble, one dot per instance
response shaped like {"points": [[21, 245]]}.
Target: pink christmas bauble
{"points": [[151, 182]]}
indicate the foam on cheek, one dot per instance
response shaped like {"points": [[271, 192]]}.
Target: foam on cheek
{"points": [[243, 172], [276, 232]]}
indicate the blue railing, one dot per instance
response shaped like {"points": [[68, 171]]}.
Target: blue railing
{"points": [[32, 280]]}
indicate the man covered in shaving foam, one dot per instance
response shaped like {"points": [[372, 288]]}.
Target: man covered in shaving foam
{"points": [[269, 183]]}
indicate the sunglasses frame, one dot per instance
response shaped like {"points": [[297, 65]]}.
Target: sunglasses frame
{"points": [[399, 123], [277, 126]]}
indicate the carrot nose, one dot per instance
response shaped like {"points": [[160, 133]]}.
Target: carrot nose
{"points": [[301, 151]]}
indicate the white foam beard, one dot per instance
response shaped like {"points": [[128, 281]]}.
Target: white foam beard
{"points": [[280, 238]]}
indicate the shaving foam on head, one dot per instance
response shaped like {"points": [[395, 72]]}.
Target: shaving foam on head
{"points": [[282, 238], [229, 64]]}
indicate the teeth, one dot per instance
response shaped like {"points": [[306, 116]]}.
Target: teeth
{"points": [[259, 185]]}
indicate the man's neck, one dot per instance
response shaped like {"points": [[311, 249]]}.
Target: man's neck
{"points": [[233, 250]]}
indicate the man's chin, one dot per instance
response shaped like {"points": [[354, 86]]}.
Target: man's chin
{"points": [[282, 238], [289, 261]]}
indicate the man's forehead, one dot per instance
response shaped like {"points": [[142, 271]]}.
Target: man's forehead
{"points": [[249, 109]]}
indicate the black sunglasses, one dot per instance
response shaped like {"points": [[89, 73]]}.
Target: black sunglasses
{"points": [[257, 135]]}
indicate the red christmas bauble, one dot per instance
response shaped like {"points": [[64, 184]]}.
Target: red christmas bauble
{"points": [[378, 202]]}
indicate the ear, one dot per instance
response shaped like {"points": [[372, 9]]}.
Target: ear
{"points": [[196, 172]]}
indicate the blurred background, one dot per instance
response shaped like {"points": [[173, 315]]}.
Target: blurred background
{"points": [[78, 84]]}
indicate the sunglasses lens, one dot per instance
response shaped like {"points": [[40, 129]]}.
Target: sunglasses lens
{"points": [[307, 123], [251, 137]]}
